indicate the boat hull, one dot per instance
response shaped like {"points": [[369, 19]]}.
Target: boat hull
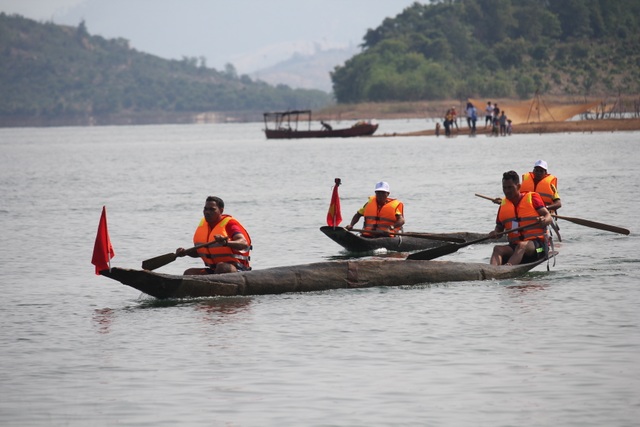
{"points": [[355, 243], [366, 129], [314, 277]]}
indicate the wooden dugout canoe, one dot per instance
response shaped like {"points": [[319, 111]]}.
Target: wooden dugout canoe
{"points": [[355, 243], [313, 277]]}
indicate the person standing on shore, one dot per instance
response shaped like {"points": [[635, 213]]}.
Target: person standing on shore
{"points": [[488, 115], [503, 124], [448, 123], [472, 118], [454, 118]]}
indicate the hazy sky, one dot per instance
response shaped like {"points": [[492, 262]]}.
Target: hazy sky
{"points": [[250, 34]]}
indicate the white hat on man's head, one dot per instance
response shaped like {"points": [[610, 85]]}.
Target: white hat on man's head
{"points": [[382, 186], [542, 164]]}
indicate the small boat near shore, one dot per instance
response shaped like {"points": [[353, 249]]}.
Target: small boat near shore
{"points": [[314, 277], [353, 242], [296, 124]]}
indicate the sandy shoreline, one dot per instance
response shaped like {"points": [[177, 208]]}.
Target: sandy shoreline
{"points": [[435, 109], [588, 126]]}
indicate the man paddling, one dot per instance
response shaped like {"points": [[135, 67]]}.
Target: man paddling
{"points": [[520, 209], [381, 213], [230, 252], [546, 185], [543, 183]]}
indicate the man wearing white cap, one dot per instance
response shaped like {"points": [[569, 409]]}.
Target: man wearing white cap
{"points": [[381, 213], [546, 185], [543, 183]]}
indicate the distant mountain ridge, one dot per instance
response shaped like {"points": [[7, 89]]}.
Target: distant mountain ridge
{"points": [[307, 71], [52, 73]]}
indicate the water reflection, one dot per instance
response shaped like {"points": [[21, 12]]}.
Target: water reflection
{"points": [[216, 310], [528, 287], [222, 310], [103, 319]]}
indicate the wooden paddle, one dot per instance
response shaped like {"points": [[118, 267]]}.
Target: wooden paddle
{"points": [[580, 221], [593, 224], [449, 249], [161, 260], [419, 235]]}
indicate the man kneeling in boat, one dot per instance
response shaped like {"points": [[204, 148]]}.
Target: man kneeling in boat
{"points": [[520, 209], [230, 242], [381, 213]]}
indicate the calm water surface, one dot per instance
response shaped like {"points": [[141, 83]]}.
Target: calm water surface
{"points": [[551, 348]]}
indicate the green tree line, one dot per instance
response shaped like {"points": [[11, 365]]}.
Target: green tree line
{"points": [[496, 48], [53, 70]]}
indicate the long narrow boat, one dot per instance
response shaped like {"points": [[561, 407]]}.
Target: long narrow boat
{"points": [[319, 276], [356, 243], [291, 125]]}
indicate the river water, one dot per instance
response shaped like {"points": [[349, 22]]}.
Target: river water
{"points": [[551, 348]]}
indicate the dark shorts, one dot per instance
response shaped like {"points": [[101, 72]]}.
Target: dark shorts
{"points": [[238, 266], [540, 251]]}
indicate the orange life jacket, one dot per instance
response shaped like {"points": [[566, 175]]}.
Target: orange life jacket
{"points": [[547, 188], [380, 219], [212, 255], [511, 216]]}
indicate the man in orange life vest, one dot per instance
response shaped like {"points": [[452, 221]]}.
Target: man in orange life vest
{"points": [[543, 183], [519, 209], [229, 251], [546, 185], [381, 213]]}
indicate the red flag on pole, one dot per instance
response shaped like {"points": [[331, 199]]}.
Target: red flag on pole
{"points": [[102, 250], [334, 216]]}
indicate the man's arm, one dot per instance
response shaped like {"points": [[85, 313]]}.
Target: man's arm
{"points": [[354, 221]]}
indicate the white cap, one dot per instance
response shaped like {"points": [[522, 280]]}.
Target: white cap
{"points": [[542, 164], [382, 186]]}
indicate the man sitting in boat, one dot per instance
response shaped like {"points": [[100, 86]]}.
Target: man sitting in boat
{"points": [[546, 185], [520, 209], [230, 242], [381, 213], [325, 126]]}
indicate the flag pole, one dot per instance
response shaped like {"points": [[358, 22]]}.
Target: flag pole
{"points": [[108, 238], [338, 181]]}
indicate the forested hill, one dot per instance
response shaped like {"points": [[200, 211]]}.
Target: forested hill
{"points": [[497, 48], [53, 71]]}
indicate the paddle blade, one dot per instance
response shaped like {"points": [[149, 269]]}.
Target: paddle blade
{"points": [[159, 261], [435, 252], [593, 224]]}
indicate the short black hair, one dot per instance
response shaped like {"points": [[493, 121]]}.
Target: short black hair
{"points": [[217, 200], [512, 176]]}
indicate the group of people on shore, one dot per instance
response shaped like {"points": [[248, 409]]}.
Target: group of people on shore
{"points": [[224, 245], [495, 119]]}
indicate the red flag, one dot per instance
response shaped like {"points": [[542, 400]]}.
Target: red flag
{"points": [[102, 250], [334, 216]]}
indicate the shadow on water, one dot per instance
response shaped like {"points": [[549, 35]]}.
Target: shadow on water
{"points": [[225, 305], [104, 318]]}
